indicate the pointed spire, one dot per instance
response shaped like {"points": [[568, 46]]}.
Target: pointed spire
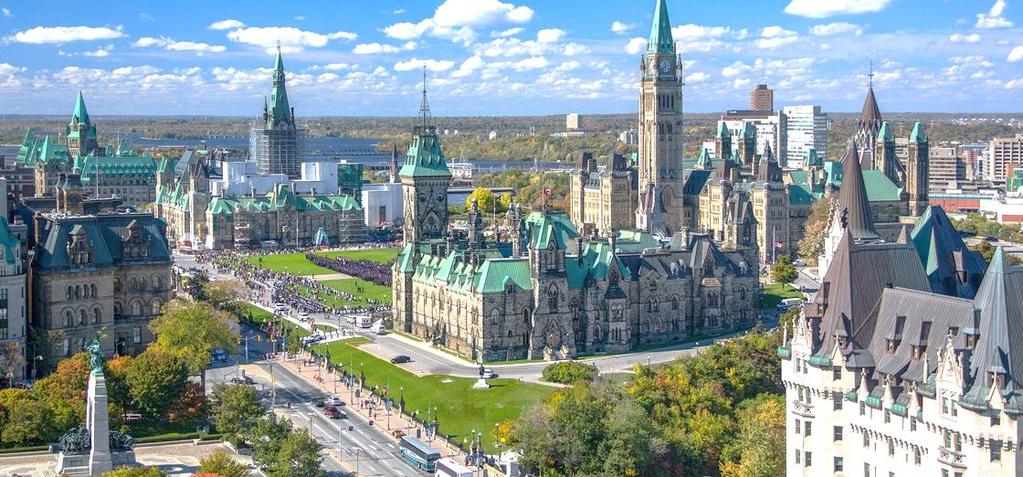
{"points": [[425, 119], [885, 133], [723, 130], [279, 112], [80, 112], [852, 198], [394, 163], [660, 31], [998, 313], [812, 159], [704, 162], [918, 134], [870, 112]]}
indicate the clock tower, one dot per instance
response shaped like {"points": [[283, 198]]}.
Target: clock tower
{"points": [[425, 177], [660, 131]]}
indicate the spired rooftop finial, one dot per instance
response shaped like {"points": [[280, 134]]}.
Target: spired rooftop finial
{"points": [[660, 31], [425, 119]]}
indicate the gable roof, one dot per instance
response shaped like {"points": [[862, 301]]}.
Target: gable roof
{"points": [[951, 267]]}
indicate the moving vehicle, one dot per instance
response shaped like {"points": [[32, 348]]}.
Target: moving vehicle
{"points": [[400, 359], [316, 338], [219, 355], [418, 454], [378, 328], [243, 379], [789, 303], [363, 321], [447, 467], [489, 374], [334, 401], [335, 413], [303, 315]]}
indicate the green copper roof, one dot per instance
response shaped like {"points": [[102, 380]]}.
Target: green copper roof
{"points": [[80, 112], [545, 228], [425, 158], [704, 161], [885, 133], [800, 194], [812, 159], [748, 130], [918, 134], [114, 165], [279, 111], [81, 118], [496, 273], [660, 31], [276, 200], [879, 187], [723, 130]]}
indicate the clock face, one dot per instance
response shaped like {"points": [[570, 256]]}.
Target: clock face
{"points": [[653, 65], [665, 66]]}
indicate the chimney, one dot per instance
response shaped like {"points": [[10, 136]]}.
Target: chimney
{"points": [[38, 227]]}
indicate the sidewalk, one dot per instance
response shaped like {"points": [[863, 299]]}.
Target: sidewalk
{"points": [[386, 421]]}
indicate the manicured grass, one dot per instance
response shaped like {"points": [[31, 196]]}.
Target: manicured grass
{"points": [[293, 263], [348, 285], [260, 316], [379, 255], [459, 408], [326, 328], [774, 293]]}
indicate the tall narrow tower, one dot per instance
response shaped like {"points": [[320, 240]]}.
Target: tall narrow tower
{"points": [[660, 128], [917, 175], [276, 143], [426, 177], [80, 131]]}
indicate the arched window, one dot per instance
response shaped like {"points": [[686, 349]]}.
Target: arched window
{"points": [[674, 302], [117, 311], [132, 283], [156, 307], [117, 284], [552, 297], [97, 316], [78, 291], [92, 290], [68, 318], [136, 308], [83, 317], [70, 292], [157, 282], [142, 283]]}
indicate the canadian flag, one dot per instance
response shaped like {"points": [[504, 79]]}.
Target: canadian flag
{"points": [[779, 245]]}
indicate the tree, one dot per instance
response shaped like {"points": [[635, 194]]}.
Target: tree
{"points": [[63, 391], [504, 202], [116, 371], [569, 372], [782, 271], [485, 199], [190, 405], [24, 420], [155, 379], [299, 456], [811, 246], [192, 330], [136, 472], [235, 407], [11, 358], [266, 436], [221, 464], [759, 447], [226, 294]]}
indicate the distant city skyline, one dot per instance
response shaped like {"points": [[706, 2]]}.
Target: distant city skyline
{"points": [[489, 57]]}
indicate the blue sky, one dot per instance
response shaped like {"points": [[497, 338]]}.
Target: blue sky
{"points": [[497, 57]]}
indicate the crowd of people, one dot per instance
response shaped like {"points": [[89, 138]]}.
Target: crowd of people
{"points": [[299, 293], [367, 270]]}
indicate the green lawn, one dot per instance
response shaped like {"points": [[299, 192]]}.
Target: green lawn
{"points": [[260, 316], [379, 255], [459, 408], [774, 293], [370, 290], [293, 263]]}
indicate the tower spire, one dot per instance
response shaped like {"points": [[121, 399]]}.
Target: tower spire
{"points": [[424, 107], [660, 31], [870, 75]]}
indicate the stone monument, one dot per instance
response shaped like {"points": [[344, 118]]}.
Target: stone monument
{"points": [[481, 383], [93, 450]]}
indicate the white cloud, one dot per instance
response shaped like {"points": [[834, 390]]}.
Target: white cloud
{"points": [[229, 24], [505, 33], [1015, 55], [100, 52], [836, 28], [453, 13], [963, 38], [735, 69], [829, 8], [572, 49], [432, 65], [468, 66], [621, 28], [291, 37], [7, 13], [336, 66], [374, 49], [65, 34], [636, 46], [698, 77], [549, 35], [399, 11], [1013, 84], [692, 31], [169, 44], [774, 36], [741, 83], [567, 66], [993, 18]]}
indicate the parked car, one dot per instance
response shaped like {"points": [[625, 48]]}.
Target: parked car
{"points": [[334, 401], [489, 374], [243, 379], [400, 359], [219, 355]]}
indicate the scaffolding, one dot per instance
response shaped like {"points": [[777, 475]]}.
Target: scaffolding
{"points": [[278, 151]]}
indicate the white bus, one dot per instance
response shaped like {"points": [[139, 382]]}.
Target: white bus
{"points": [[363, 321], [447, 467]]}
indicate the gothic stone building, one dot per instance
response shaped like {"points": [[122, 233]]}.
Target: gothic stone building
{"points": [[546, 292], [102, 275], [603, 200]]}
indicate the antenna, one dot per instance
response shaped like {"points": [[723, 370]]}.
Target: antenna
{"points": [[870, 75], [278, 44], [424, 106]]}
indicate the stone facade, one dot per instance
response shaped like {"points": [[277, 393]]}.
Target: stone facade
{"points": [[603, 200], [13, 323], [102, 275]]}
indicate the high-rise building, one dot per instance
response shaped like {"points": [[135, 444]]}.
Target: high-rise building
{"points": [[761, 98], [13, 322], [660, 131], [947, 168], [573, 122], [1003, 151], [771, 131], [276, 144], [806, 128]]}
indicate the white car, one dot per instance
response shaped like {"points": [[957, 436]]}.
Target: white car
{"points": [[303, 314], [489, 374], [334, 401]]}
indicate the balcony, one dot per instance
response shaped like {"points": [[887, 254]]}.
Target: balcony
{"points": [[802, 409], [951, 457], [784, 352]]}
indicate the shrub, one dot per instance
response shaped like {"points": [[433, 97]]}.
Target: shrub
{"points": [[569, 372]]}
